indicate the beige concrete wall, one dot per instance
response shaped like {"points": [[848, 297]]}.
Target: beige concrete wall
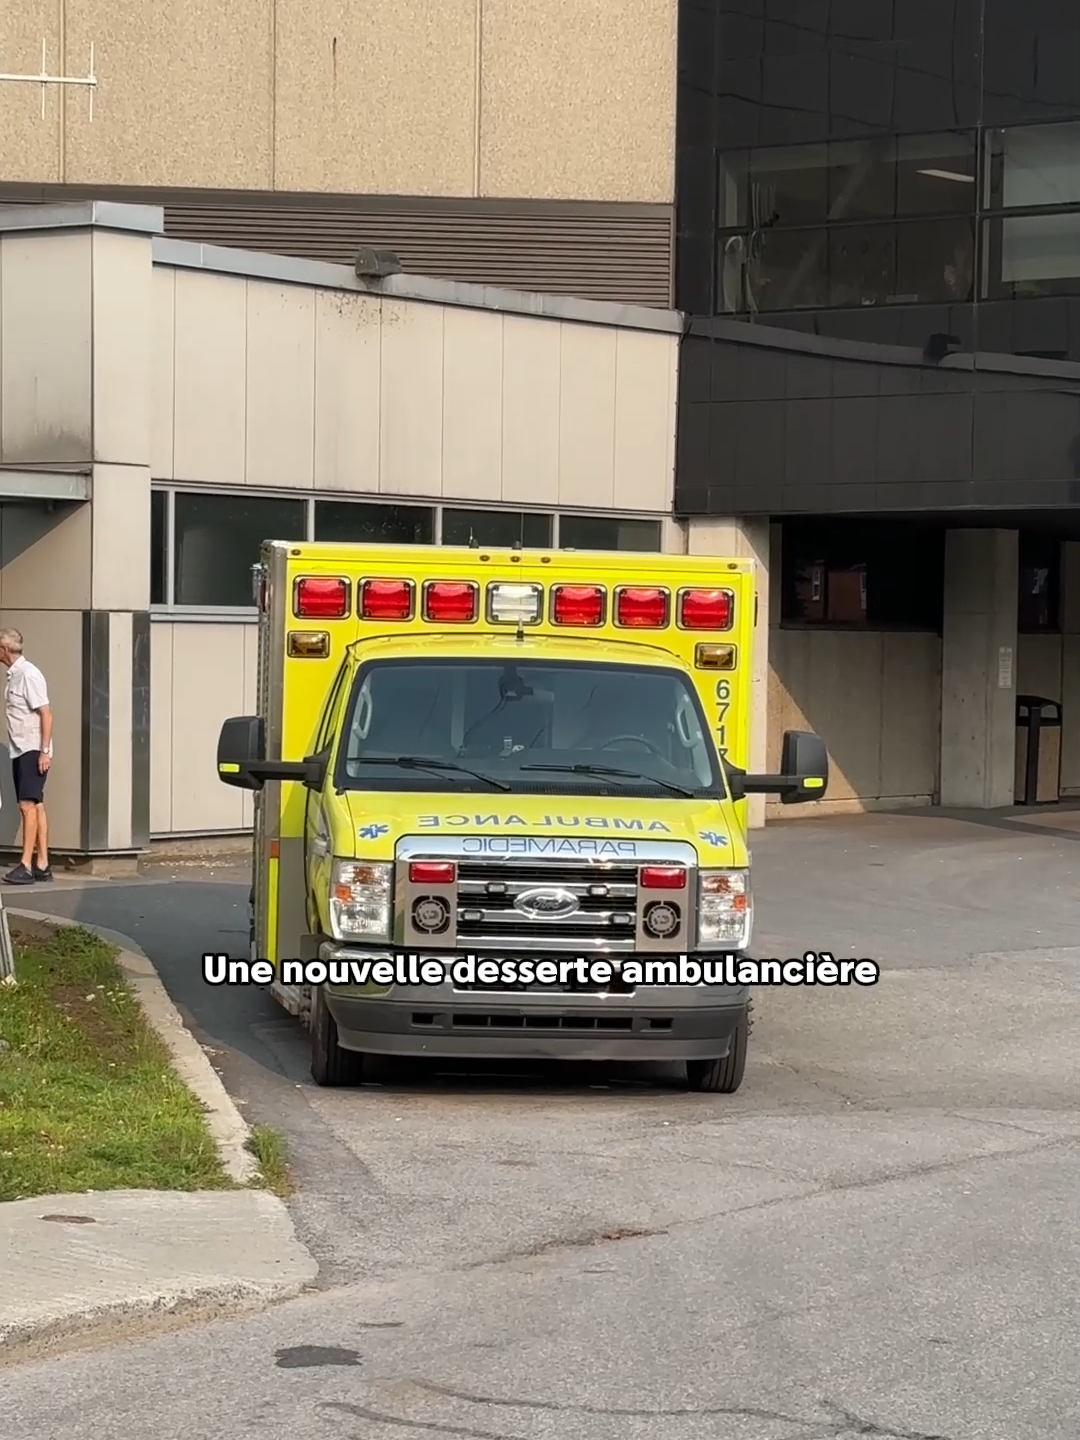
{"points": [[220, 662], [382, 98], [281, 385], [75, 365], [54, 643], [875, 699], [286, 386], [46, 411]]}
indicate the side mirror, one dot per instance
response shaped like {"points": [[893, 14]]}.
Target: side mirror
{"points": [[804, 772], [804, 761], [241, 758]]}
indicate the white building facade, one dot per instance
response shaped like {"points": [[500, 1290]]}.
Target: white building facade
{"points": [[166, 406]]}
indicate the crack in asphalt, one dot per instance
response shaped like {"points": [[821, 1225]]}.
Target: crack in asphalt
{"points": [[583, 1240], [913, 1172], [402, 1422], [693, 1412], [855, 1424], [844, 1422], [999, 1124]]}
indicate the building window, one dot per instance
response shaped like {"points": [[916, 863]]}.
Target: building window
{"points": [[351, 523], [1032, 191], [217, 540], [875, 222], [159, 557], [862, 575], [607, 532], [203, 543], [495, 527], [1038, 605]]}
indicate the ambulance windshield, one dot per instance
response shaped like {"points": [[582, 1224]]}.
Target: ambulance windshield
{"points": [[542, 727]]}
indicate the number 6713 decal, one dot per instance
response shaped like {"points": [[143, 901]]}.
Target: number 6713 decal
{"points": [[723, 704]]}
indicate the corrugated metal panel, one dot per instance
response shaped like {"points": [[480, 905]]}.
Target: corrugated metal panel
{"points": [[595, 257], [597, 252]]}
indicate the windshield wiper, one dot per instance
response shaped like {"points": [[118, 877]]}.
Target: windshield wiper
{"points": [[424, 762], [608, 770]]}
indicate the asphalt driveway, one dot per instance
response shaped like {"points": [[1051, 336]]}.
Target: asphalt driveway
{"points": [[877, 1236]]}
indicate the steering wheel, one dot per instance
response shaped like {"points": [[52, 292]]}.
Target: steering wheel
{"points": [[634, 740]]}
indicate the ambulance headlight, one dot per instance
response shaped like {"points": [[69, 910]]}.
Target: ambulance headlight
{"points": [[725, 909], [360, 900]]}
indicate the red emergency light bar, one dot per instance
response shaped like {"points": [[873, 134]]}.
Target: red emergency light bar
{"points": [[641, 608], [705, 609], [662, 877], [319, 597], [432, 872], [453, 602], [387, 600], [577, 605]]}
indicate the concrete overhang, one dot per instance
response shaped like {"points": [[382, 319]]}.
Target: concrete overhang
{"points": [[83, 215], [58, 485]]}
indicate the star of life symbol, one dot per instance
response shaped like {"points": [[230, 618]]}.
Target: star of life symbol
{"points": [[372, 832], [713, 837]]}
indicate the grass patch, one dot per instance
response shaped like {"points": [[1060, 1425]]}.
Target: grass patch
{"points": [[268, 1147], [88, 1097]]}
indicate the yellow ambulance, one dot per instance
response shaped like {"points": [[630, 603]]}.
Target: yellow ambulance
{"points": [[500, 801]]}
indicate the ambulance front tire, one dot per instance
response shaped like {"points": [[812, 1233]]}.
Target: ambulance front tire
{"points": [[331, 1065], [722, 1077]]}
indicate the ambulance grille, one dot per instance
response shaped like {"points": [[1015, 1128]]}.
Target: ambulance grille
{"points": [[606, 895]]}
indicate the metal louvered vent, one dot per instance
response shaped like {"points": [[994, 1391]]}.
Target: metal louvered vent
{"points": [[595, 257], [620, 253]]}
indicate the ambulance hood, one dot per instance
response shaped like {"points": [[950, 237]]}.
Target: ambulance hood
{"points": [[576, 825]]}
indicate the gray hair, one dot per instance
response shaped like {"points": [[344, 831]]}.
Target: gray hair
{"points": [[12, 640]]}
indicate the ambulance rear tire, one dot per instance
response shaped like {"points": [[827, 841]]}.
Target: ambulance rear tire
{"points": [[722, 1077], [331, 1064]]}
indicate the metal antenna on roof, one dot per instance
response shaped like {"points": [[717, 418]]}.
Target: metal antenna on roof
{"points": [[44, 78]]}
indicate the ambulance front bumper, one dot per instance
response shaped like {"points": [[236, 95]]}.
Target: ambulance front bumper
{"points": [[656, 1022]]}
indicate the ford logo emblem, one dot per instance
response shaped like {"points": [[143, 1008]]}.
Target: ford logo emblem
{"points": [[546, 904]]}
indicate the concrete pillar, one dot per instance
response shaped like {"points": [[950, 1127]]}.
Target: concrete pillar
{"points": [[978, 667], [747, 537], [75, 386]]}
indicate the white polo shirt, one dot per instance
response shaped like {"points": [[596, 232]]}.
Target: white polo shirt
{"points": [[25, 693]]}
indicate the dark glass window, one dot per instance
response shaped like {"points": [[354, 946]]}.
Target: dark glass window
{"points": [[1034, 255], [884, 221], [906, 263], [1033, 165], [217, 542], [877, 179], [159, 556], [1038, 606], [607, 532], [886, 575], [495, 527], [353, 522], [1034, 173]]}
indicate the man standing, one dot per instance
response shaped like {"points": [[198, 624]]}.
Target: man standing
{"points": [[29, 721]]}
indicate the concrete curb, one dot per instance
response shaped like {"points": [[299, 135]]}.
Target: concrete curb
{"points": [[227, 1126], [99, 1267]]}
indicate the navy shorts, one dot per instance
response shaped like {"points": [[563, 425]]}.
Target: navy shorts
{"points": [[29, 781]]}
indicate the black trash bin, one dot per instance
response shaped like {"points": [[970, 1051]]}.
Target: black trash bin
{"points": [[1038, 751]]}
